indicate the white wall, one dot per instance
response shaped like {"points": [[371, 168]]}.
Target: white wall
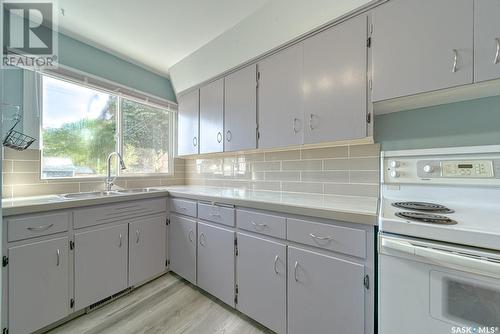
{"points": [[274, 24]]}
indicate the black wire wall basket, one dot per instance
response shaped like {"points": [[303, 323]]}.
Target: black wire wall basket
{"points": [[17, 140]]}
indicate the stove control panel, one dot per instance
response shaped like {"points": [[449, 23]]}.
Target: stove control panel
{"points": [[452, 166], [455, 169], [475, 168]]}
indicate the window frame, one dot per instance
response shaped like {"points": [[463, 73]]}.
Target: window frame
{"points": [[118, 133]]}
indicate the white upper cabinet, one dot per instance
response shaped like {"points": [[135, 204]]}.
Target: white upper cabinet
{"points": [[212, 117], [421, 46], [280, 98], [487, 39], [188, 123], [240, 110], [335, 82]]}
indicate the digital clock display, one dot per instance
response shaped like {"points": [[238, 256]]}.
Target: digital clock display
{"points": [[468, 166]]}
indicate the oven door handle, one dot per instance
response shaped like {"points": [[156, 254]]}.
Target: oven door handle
{"points": [[447, 259], [461, 262]]}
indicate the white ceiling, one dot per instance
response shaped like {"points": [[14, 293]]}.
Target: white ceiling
{"points": [[152, 33]]}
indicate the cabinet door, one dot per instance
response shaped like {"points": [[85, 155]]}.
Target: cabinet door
{"points": [[240, 110], [280, 99], [100, 264], [261, 275], [415, 45], [147, 249], [183, 247], [212, 117], [216, 262], [487, 39], [38, 285], [335, 63], [324, 293], [188, 123]]}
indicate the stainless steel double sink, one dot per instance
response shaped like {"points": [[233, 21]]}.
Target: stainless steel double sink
{"points": [[100, 194]]}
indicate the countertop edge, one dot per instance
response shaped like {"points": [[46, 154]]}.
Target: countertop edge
{"points": [[73, 204]]}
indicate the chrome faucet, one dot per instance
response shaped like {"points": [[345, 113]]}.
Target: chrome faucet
{"points": [[110, 180]]}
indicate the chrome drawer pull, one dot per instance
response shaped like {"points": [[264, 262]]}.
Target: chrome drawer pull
{"points": [[138, 234], [259, 225], [203, 237], [295, 267], [120, 244], [58, 257], [455, 61], [295, 121], [219, 137], [40, 228], [190, 235], [321, 238], [275, 264], [215, 215], [497, 54]]}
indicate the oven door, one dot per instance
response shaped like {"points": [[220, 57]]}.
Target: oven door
{"points": [[428, 287]]}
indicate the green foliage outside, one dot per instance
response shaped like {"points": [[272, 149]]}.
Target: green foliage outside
{"points": [[88, 142]]}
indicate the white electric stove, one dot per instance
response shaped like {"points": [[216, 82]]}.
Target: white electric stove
{"points": [[439, 241]]}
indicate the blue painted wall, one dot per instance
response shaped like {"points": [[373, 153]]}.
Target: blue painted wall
{"points": [[474, 122], [89, 59]]}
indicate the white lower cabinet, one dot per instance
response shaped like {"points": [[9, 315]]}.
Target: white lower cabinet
{"points": [[38, 279], [183, 247], [216, 261], [100, 264], [147, 248], [261, 279], [325, 294]]}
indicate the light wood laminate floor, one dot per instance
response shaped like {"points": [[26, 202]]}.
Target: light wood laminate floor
{"points": [[165, 305]]}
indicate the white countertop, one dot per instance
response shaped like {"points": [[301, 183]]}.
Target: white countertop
{"points": [[354, 209], [346, 208]]}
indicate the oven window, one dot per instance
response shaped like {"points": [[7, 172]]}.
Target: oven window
{"points": [[472, 303]]}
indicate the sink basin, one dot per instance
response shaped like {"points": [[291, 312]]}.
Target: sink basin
{"points": [[93, 194], [135, 191]]}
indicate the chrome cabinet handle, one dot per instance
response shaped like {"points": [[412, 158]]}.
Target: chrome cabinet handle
{"points": [[40, 228], [455, 61], [138, 234], [195, 141], [203, 237], [219, 137], [182, 208], [497, 54], [320, 238], [295, 267], [58, 257], [120, 244], [276, 258], [229, 135], [258, 225], [311, 119], [295, 121], [190, 236]]}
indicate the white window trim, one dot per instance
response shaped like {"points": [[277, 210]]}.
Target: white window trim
{"points": [[118, 133]]}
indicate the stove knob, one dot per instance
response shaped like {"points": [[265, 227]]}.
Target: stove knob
{"points": [[394, 174], [394, 163], [428, 169]]}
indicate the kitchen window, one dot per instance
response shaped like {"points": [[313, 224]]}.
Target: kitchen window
{"points": [[81, 125]]}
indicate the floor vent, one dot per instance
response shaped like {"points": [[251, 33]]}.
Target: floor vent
{"points": [[107, 300]]}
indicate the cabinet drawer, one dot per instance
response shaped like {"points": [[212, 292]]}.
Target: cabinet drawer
{"points": [[274, 226], [118, 212], [26, 227], [183, 206], [335, 238], [216, 213]]}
